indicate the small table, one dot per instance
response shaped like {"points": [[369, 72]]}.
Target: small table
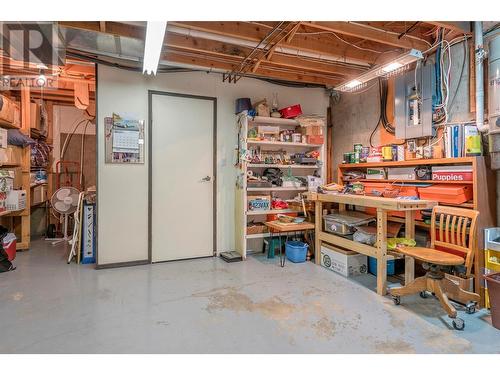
{"points": [[286, 228]]}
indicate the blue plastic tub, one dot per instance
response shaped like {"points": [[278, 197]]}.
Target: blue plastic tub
{"points": [[372, 266], [296, 251]]}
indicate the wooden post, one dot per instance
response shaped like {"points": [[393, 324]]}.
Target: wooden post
{"points": [[318, 228], [409, 233], [329, 146], [381, 251], [25, 168]]}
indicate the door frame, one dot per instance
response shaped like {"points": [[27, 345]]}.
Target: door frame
{"points": [[150, 164]]}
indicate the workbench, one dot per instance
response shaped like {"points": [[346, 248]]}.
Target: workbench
{"points": [[382, 206]]}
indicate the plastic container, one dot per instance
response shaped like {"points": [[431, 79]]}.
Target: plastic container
{"points": [[392, 267], [447, 194], [9, 245], [493, 285], [296, 251], [291, 112]]}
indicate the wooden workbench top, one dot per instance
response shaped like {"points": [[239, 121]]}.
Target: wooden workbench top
{"points": [[371, 201], [278, 226]]}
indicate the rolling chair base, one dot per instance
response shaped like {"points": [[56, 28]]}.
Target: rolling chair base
{"points": [[435, 282]]}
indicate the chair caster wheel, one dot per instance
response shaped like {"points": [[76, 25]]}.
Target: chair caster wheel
{"points": [[423, 294], [470, 308], [396, 300], [458, 324]]}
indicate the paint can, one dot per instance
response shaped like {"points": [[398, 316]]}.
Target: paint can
{"points": [[356, 157], [357, 147], [347, 158], [352, 158], [387, 153]]}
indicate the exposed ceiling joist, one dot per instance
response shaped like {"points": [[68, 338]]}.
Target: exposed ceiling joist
{"points": [[264, 71], [217, 48], [369, 33], [460, 27], [312, 43]]}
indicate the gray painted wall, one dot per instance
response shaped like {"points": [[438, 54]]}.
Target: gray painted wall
{"points": [[355, 115]]}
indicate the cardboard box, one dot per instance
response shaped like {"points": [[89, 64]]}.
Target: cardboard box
{"points": [[312, 130], [452, 173], [18, 177], [6, 110], [465, 284], [315, 139], [375, 173], [3, 138], [38, 194], [347, 263], [6, 180], [35, 115], [16, 200]]}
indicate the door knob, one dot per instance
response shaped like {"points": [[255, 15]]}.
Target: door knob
{"points": [[206, 179]]}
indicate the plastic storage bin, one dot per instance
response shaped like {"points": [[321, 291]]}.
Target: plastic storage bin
{"points": [[447, 194], [394, 266], [296, 251]]}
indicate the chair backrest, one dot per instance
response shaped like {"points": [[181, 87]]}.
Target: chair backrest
{"points": [[457, 231]]}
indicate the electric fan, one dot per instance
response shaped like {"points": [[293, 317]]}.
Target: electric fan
{"points": [[65, 202]]}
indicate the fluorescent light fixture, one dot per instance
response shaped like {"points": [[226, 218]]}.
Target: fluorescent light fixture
{"points": [[352, 84], [393, 67], [155, 34]]}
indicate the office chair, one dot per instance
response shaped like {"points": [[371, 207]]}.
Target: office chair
{"points": [[457, 232]]}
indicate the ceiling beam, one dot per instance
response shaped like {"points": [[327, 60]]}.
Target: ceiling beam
{"points": [[461, 27], [369, 33], [263, 71], [136, 30], [216, 48], [311, 43]]}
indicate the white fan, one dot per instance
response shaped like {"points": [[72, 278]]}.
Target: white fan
{"points": [[65, 202]]}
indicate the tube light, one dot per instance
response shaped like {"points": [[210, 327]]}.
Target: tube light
{"points": [[390, 68], [155, 34], [352, 84]]}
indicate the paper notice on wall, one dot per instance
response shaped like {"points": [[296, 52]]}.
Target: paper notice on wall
{"points": [[126, 141]]}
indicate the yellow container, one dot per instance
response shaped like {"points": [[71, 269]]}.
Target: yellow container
{"points": [[492, 260]]}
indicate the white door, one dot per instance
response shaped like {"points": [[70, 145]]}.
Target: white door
{"points": [[182, 177]]}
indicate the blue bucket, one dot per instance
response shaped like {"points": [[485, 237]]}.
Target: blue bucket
{"points": [[296, 251]]}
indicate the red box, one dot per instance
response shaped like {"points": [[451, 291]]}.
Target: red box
{"points": [[291, 112], [455, 194], [9, 245], [315, 139], [452, 173]]}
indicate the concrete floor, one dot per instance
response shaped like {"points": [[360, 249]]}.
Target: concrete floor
{"points": [[209, 306]]}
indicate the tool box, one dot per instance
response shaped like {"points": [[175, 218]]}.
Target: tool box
{"points": [[456, 194]]}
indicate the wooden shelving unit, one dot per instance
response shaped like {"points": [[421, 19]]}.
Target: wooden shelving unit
{"points": [[484, 195], [19, 221], [243, 216]]}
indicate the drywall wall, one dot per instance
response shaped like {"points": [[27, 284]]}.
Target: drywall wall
{"points": [[356, 114], [123, 189]]}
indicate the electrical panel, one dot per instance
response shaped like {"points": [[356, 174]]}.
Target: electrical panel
{"points": [[413, 103]]}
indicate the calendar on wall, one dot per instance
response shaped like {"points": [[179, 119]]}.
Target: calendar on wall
{"points": [[124, 140]]}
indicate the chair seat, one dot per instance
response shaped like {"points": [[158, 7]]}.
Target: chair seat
{"points": [[432, 256]]}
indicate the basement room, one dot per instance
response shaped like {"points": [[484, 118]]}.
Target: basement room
{"points": [[210, 184]]}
